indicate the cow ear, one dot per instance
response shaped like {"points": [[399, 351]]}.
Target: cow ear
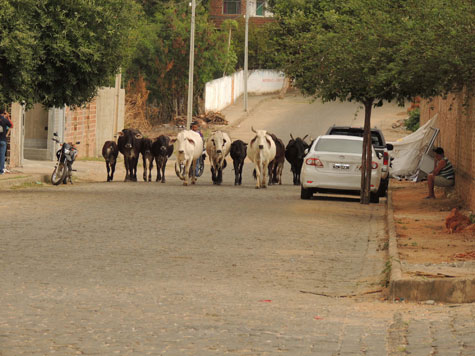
{"points": [[268, 141], [172, 140], [253, 140], [191, 141], [245, 144], [138, 136], [120, 133]]}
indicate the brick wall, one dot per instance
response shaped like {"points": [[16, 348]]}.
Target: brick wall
{"points": [[80, 126], [457, 138]]}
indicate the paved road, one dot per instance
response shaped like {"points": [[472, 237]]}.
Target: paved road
{"points": [[162, 269]]}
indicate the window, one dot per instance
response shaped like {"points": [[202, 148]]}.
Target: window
{"points": [[232, 7], [339, 146], [260, 7]]}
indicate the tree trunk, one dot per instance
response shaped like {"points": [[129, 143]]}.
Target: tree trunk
{"points": [[366, 158]]}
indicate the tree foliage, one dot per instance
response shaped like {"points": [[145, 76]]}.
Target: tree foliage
{"points": [[162, 56], [59, 52]]}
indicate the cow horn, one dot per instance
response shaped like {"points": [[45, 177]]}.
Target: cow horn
{"points": [[292, 137], [252, 128], [304, 137]]}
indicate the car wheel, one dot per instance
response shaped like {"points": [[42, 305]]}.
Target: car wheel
{"points": [[305, 193], [383, 187], [374, 197]]}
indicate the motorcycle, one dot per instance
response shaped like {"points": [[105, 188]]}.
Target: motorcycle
{"points": [[65, 158]]}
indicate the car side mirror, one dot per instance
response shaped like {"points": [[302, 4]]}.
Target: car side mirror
{"points": [[306, 151], [389, 146]]}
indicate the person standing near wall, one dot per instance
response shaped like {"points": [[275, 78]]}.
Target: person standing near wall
{"points": [[5, 125]]}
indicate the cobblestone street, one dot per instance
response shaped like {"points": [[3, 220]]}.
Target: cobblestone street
{"points": [[161, 269], [153, 269]]}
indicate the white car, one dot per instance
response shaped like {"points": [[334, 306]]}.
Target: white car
{"points": [[333, 165]]}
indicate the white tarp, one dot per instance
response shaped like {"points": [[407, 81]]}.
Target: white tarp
{"points": [[408, 151]]}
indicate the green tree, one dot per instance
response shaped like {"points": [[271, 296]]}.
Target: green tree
{"points": [[59, 52], [368, 51], [162, 57], [17, 52]]}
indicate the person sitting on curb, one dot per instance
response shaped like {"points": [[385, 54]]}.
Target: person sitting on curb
{"points": [[443, 174]]}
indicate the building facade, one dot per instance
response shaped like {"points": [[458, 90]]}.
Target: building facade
{"points": [[221, 10]]}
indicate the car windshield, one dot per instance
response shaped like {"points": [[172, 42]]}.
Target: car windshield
{"points": [[339, 145]]}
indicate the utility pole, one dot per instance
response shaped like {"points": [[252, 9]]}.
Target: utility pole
{"points": [[191, 68], [246, 40]]}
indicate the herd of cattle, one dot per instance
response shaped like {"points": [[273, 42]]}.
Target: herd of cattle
{"points": [[265, 150]]}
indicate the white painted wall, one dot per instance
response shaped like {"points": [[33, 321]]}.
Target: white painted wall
{"points": [[222, 92]]}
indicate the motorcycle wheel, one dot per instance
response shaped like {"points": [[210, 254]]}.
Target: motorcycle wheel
{"points": [[59, 174], [201, 168]]}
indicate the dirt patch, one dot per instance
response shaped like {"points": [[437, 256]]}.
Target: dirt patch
{"points": [[420, 226]]}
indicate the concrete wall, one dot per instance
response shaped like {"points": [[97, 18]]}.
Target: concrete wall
{"points": [[16, 136], [106, 105], [222, 92], [456, 122]]}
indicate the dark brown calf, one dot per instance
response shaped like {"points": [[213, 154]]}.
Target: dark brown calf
{"points": [[110, 151]]}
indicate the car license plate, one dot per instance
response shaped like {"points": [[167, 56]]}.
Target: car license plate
{"points": [[341, 166]]}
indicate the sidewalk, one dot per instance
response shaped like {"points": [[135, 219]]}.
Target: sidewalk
{"points": [[427, 263], [39, 172]]}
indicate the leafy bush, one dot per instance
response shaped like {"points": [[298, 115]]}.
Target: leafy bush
{"points": [[413, 121]]}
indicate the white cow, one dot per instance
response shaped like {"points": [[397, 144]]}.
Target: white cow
{"points": [[261, 151], [188, 148], [217, 147]]}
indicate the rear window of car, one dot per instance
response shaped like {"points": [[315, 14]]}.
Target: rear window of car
{"points": [[376, 138], [339, 146]]}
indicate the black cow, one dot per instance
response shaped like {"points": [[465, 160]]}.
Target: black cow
{"points": [[162, 150], [130, 144], [147, 156], [110, 151], [238, 154], [276, 166], [295, 153]]}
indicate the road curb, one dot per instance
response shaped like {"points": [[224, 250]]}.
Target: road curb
{"points": [[23, 179], [453, 290]]}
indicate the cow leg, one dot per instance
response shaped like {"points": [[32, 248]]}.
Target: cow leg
{"points": [[108, 170], [213, 174], [150, 169], [279, 173], [158, 162], [113, 169], [241, 166], [265, 167], [194, 164], [188, 166], [258, 175], [126, 164], [144, 168], [219, 178], [164, 165], [269, 172]]}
